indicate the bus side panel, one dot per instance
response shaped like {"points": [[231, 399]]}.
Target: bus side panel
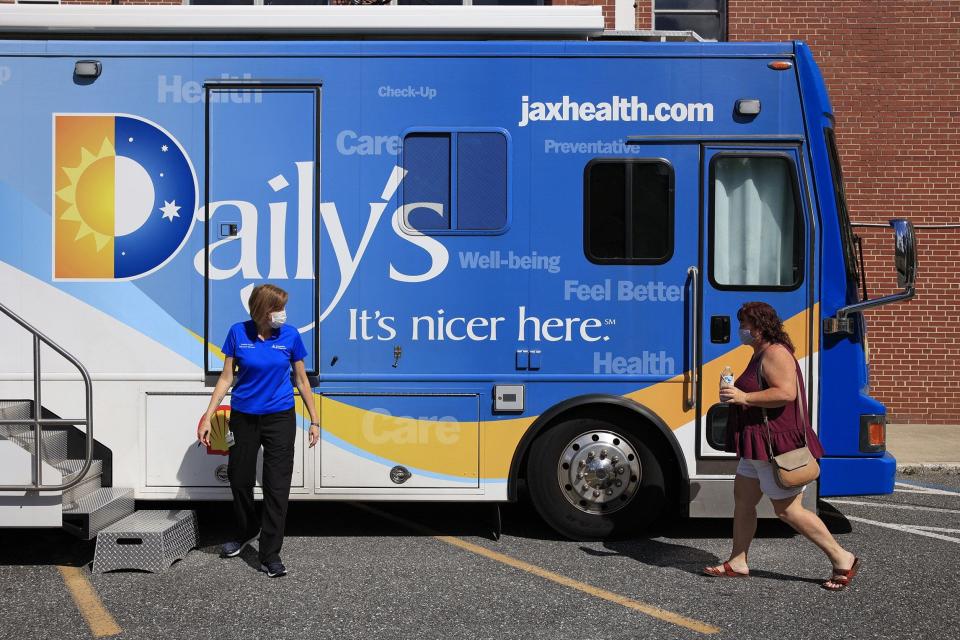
{"points": [[388, 295]]}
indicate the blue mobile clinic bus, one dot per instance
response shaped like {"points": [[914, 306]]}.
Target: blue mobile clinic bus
{"points": [[515, 259]]}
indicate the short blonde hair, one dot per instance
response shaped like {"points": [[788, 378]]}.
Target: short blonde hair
{"points": [[264, 300]]}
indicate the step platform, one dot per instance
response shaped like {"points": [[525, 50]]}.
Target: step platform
{"points": [[92, 513], [149, 540]]}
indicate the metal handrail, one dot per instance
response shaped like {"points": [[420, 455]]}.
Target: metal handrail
{"points": [[693, 274], [39, 422]]}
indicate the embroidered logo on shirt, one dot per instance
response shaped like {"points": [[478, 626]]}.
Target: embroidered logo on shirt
{"points": [[282, 347], [246, 345]]}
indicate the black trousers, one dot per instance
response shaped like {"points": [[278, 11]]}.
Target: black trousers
{"points": [[276, 432]]}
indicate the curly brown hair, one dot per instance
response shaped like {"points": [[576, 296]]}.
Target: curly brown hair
{"points": [[764, 319]]}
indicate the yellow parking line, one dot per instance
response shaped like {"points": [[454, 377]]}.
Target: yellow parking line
{"points": [[636, 605], [99, 620]]}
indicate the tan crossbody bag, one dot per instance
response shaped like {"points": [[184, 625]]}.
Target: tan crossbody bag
{"points": [[795, 468]]}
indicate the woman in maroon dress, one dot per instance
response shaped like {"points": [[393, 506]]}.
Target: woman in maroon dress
{"points": [[761, 329]]}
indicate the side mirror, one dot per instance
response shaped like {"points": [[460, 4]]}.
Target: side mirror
{"points": [[905, 261], [905, 246]]}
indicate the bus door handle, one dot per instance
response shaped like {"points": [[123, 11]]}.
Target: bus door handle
{"points": [[693, 275]]}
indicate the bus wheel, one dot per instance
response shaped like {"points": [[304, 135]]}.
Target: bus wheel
{"points": [[591, 480]]}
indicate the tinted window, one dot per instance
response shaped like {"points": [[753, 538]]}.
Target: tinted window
{"points": [[846, 231], [629, 211], [717, 426]]}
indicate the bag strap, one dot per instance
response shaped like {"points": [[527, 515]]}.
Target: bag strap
{"points": [[763, 411], [766, 421]]}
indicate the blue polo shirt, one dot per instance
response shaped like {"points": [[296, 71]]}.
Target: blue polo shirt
{"points": [[262, 384]]}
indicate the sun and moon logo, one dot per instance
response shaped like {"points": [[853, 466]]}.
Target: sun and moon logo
{"points": [[125, 194]]}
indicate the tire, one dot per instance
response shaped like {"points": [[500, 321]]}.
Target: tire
{"points": [[589, 446]]}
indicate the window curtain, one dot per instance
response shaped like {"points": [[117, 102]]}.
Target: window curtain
{"points": [[754, 215]]}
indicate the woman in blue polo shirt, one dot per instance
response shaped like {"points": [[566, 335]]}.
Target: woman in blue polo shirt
{"points": [[262, 349]]}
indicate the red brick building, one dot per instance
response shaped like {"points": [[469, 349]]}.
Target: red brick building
{"points": [[895, 86]]}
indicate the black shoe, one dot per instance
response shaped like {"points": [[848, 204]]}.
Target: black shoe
{"points": [[231, 549], [274, 569]]}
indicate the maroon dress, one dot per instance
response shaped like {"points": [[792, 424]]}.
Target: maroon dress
{"points": [[746, 433]]}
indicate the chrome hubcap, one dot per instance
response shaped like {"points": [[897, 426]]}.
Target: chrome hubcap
{"points": [[599, 472]]}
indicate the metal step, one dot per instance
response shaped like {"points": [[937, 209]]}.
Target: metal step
{"points": [[15, 410], [90, 483], [71, 467], [92, 513], [146, 540], [54, 442]]}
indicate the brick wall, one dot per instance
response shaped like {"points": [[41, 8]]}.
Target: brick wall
{"points": [[891, 71], [644, 10]]}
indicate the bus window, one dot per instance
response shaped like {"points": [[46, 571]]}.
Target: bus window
{"points": [[757, 227], [846, 231], [628, 211], [717, 418], [426, 158], [465, 173]]}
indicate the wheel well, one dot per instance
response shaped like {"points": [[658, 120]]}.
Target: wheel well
{"points": [[625, 414]]}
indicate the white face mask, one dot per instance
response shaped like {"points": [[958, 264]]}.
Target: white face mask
{"points": [[277, 318], [746, 337]]}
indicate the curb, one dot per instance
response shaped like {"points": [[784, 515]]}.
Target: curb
{"points": [[914, 468]]}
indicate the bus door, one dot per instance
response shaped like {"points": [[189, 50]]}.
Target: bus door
{"points": [[755, 247], [261, 189]]}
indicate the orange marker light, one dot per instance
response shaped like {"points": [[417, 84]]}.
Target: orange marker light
{"points": [[780, 65], [876, 434]]}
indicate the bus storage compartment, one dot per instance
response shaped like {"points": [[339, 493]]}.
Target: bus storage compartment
{"points": [[399, 441], [173, 457]]}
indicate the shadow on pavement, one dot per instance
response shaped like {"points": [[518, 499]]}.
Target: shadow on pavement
{"points": [[344, 519], [43, 547], [658, 553], [836, 522]]}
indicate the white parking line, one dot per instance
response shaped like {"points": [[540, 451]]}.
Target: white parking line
{"points": [[940, 529], [905, 528], [914, 488], [886, 505], [920, 491]]}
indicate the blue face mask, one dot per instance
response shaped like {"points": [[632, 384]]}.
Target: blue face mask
{"points": [[746, 337]]}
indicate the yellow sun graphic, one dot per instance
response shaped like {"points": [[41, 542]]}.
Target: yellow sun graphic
{"points": [[90, 194]]}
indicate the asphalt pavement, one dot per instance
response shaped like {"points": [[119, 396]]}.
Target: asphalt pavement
{"points": [[435, 571]]}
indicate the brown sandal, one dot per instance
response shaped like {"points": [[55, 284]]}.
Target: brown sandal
{"points": [[727, 572], [842, 577]]}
